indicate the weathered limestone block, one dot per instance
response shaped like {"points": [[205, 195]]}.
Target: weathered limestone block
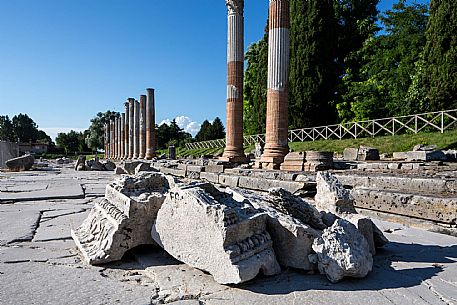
{"points": [[130, 166], [22, 163], [422, 155], [210, 230], [342, 251], [318, 161], [293, 161], [336, 202], [123, 219], [292, 239], [261, 184], [109, 165], [434, 208], [332, 196], [80, 164], [210, 177], [363, 153], [368, 154]]}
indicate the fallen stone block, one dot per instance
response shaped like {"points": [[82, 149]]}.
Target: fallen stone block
{"points": [[210, 230], [261, 184], [80, 164], [210, 177], [229, 180], [332, 196], [422, 155], [342, 251], [109, 165], [292, 239], [173, 171], [22, 163], [123, 219]]}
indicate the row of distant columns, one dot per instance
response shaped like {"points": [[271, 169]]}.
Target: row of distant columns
{"points": [[132, 135], [276, 141]]}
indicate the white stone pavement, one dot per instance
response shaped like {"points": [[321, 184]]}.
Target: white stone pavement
{"points": [[39, 263]]}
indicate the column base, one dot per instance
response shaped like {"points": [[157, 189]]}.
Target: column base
{"points": [[234, 159]]}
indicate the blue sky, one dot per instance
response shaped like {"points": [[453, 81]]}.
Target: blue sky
{"points": [[62, 61]]}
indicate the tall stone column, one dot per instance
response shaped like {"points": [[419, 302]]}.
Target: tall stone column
{"points": [[276, 144], [119, 137], [136, 129], [142, 135], [131, 103], [150, 125], [116, 138], [106, 140], [111, 138], [122, 148], [234, 151], [126, 131]]}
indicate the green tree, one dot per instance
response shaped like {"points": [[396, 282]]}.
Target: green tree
{"points": [[95, 137], [389, 62], [255, 87], [217, 130], [70, 142], [204, 131], [25, 129], [171, 134], [312, 68], [440, 55], [6, 129]]}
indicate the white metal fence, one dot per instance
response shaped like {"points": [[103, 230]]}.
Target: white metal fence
{"points": [[431, 121]]}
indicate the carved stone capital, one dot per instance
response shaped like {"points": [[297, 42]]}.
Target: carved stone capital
{"points": [[235, 7]]}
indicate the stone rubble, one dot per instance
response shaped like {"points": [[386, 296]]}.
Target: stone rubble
{"points": [[123, 219], [233, 233], [342, 251]]}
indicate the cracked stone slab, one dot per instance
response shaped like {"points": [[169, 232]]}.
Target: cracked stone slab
{"points": [[61, 190], [18, 225], [44, 283], [57, 225]]}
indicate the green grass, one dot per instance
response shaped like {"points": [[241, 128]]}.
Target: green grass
{"points": [[385, 144]]}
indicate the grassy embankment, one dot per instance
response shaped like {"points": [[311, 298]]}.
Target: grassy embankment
{"points": [[385, 144]]}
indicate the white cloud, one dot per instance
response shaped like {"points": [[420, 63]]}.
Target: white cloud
{"points": [[185, 123], [53, 131]]}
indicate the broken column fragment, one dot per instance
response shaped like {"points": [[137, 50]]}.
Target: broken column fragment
{"points": [[292, 239], [123, 219], [335, 202], [210, 230], [342, 251]]}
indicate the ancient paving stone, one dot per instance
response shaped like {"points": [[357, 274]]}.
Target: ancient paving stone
{"points": [[61, 189], [19, 225], [210, 230], [123, 219], [343, 251]]}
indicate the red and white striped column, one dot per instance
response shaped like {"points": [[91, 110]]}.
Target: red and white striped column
{"points": [[131, 102], [276, 144], [126, 131], [136, 129], [150, 125], [234, 151], [142, 126], [122, 135], [111, 138]]}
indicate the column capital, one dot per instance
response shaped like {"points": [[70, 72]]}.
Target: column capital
{"points": [[235, 7]]}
